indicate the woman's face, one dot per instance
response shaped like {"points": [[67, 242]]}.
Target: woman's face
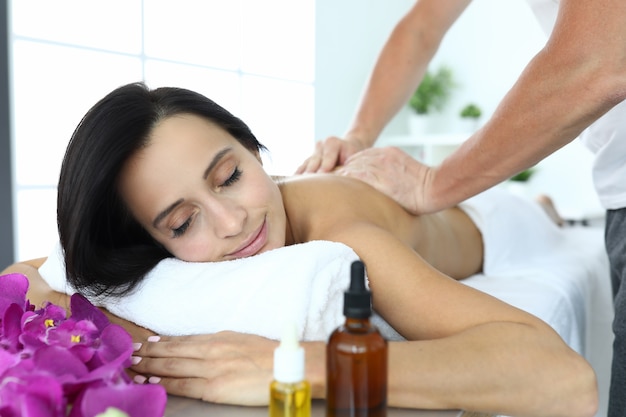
{"points": [[201, 194]]}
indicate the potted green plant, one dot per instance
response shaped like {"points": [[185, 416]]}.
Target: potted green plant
{"points": [[523, 176], [433, 92], [470, 114], [430, 97], [471, 111], [518, 183]]}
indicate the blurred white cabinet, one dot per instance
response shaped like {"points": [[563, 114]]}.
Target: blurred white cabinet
{"points": [[431, 148]]}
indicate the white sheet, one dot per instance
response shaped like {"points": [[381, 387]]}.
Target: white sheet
{"points": [[572, 293], [569, 288]]}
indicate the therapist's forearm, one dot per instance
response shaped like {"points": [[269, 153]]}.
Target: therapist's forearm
{"points": [[401, 65], [575, 79]]}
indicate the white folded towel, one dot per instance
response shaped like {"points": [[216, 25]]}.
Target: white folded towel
{"points": [[301, 284]]}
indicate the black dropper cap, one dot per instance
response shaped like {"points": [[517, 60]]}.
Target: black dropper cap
{"points": [[357, 300]]}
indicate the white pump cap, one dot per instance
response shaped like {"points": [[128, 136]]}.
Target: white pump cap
{"points": [[289, 357]]}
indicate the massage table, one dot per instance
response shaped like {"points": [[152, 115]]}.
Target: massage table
{"points": [[185, 407], [568, 287]]}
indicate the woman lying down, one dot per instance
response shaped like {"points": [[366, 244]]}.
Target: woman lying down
{"points": [[151, 175]]}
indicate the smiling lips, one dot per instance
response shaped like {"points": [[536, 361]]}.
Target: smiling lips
{"points": [[253, 245]]}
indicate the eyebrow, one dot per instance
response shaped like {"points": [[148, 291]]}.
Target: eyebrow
{"points": [[216, 159], [159, 218]]}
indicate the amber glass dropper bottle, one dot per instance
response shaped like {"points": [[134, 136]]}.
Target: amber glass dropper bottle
{"points": [[356, 357]]}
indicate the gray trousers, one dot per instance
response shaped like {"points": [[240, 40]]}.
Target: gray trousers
{"points": [[615, 238]]}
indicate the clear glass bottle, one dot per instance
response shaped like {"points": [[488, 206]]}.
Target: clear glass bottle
{"points": [[290, 392], [356, 357]]}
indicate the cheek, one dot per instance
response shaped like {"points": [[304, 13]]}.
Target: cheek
{"points": [[199, 245], [268, 194], [192, 250]]}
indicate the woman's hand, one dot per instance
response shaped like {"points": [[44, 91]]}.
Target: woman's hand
{"points": [[226, 367]]}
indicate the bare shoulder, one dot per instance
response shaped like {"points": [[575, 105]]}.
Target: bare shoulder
{"points": [[322, 183], [319, 191], [318, 203]]}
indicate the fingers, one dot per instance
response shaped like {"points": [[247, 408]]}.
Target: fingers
{"points": [[392, 172], [224, 367], [179, 365], [185, 387], [331, 151], [327, 155], [366, 165]]}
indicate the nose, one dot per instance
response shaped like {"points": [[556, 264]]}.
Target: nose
{"points": [[229, 218]]}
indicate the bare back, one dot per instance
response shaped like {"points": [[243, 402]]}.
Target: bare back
{"points": [[319, 205]]}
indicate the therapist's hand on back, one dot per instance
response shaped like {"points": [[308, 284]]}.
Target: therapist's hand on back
{"points": [[389, 170], [394, 173], [329, 154]]}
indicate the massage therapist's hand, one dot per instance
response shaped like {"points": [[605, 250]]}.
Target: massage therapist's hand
{"points": [[330, 153], [394, 173], [226, 367]]}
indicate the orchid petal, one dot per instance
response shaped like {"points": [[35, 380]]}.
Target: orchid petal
{"points": [[82, 309], [52, 365], [11, 328], [7, 361], [32, 395], [14, 288], [135, 400], [60, 362]]}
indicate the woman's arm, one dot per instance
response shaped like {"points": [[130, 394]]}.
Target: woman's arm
{"points": [[471, 351], [39, 292]]}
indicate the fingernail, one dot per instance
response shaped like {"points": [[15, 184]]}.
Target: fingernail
{"points": [[154, 380], [154, 338], [135, 359], [136, 346], [140, 379]]}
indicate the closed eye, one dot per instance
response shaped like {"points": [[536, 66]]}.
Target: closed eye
{"points": [[179, 231], [233, 178]]}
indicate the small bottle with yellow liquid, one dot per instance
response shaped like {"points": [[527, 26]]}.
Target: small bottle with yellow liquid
{"points": [[290, 392]]}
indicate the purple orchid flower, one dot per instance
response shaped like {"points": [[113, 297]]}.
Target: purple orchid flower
{"points": [[28, 392], [52, 365], [134, 400], [14, 287], [11, 328]]}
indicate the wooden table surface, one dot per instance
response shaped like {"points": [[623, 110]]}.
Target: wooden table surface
{"points": [[186, 407]]}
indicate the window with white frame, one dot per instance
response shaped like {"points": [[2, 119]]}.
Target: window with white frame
{"points": [[67, 54]]}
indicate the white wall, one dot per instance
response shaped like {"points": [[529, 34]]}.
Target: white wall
{"points": [[349, 35]]}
